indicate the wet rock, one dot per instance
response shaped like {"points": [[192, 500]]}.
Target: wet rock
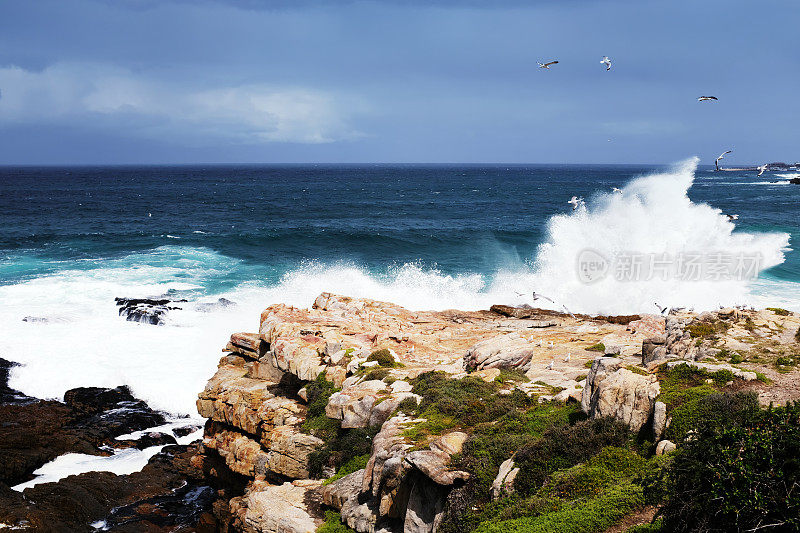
{"points": [[7, 394], [146, 310], [167, 495]]}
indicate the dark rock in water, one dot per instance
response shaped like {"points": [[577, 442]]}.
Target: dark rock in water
{"points": [[185, 430], [146, 310], [103, 414], [7, 394], [38, 431], [796, 181], [169, 494], [207, 307], [154, 438]]}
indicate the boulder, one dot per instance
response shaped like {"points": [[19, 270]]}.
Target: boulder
{"points": [[146, 310], [621, 394], [337, 493], [365, 404], [659, 419], [279, 508], [504, 482], [503, 351], [653, 349], [664, 447]]}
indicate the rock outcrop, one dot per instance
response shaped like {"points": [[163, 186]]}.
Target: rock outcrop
{"points": [[619, 393], [147, 310]]}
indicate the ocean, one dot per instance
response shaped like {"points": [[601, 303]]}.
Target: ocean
{"points": [[424, 236]]}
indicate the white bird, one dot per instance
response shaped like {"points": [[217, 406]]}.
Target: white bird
{"points": [[575, 202], [663, 310], [607, 62], [547, 65], [537, 296], [721, 156], [550, 365], [410, 351], [706, 98], [733, 217], [616, 189], [762, 169], [550, 345], [568, 357], [519, 293], [150, 214]]}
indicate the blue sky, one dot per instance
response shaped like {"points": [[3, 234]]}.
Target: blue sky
{"points": [[146, 81]]}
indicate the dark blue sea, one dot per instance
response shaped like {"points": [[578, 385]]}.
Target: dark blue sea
{"points": [[424, 236]]}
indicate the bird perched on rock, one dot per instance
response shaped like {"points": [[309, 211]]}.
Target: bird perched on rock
{"points": [[550, 365], [568, 357], [550, 345], [706, 98], [547, 65], [607, 62]]}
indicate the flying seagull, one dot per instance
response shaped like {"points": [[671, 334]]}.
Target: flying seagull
{"points": [[721, 156], [733, 217], [663, 310], [547, 65], [706, 98], [574, 202], [615, 189], [762, 169], [537, 296], [607, 62]]}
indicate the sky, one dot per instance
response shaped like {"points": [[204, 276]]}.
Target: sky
{"points": [[397, 81]]}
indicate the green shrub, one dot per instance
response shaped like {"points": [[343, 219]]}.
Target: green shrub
{"points": [[797, 335], [317, 423], [333, 524], [595, 515], [707, 328], [341, 449], [448, 403], [353, 465], [384, 358], [736, 358], [779, 311], [740, 475], [783, 361], [565, 446], [654, 527], [599, 347], [379, 373]]}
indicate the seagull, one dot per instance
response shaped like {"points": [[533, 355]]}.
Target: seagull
{"points": [[519, 293], [706, 98], [616, 189], [607, 62], [547, 65], [733, 217], [149, 214], [537, 296], [574, 202], [568, 357], [721, 156], [762, 169], [410, 351], [550, 365], [663, 310], [550, 345]]}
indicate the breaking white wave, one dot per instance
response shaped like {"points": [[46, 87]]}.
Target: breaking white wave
{"points": [[125, 461], [88, 344]]}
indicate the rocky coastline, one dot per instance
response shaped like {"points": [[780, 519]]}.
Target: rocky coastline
{"points": [[359, 415], [364, 415]]}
